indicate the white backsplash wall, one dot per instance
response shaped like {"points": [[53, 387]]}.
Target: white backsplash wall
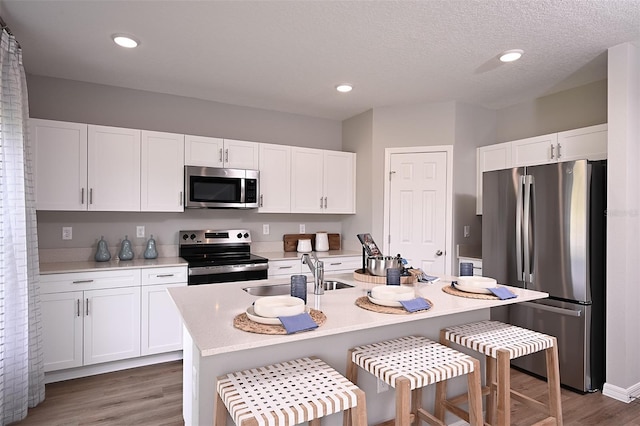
{"points": [[87, 227]]}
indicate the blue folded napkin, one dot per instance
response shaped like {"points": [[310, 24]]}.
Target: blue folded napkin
{"points": [[502, 293], [414, 305], [296, 323]]}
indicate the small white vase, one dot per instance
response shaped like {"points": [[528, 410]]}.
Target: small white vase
{"points": [[322, 241]]}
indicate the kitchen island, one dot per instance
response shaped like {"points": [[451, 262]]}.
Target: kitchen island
{"points": [[212, 346]]}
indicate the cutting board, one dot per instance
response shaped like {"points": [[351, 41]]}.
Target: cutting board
{"points": [[291, 241]]}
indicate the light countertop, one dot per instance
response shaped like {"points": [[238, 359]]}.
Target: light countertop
{"points": [[208, 311], [92, 266]]}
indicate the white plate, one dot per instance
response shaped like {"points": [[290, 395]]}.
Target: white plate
{"points": [[392, 293], [472, 289], [476, 281], [391, 303], [265, 320]]}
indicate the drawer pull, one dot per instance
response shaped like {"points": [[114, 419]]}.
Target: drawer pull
{"points": [[164, 275], [336, 263], [285, 267], [82, 281]]}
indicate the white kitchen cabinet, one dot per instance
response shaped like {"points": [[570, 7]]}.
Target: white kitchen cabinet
{"points": [[206, 151], [536, 150], [285, 267], [275, 178], [488, 158], [90, 317], [161, 321], [587, 142], [322, 181], [162, 172], [113, 168], [60, 164], [341, 264]]}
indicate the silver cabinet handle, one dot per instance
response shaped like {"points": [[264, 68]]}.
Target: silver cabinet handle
{"points": [[181, 197], [439, 253], [261, 199], [320, 202], [82, 281], [559, 155], [226, 155], [164, 275], [552, 152], [325, 202], [90, 195], [285, 267], [77, 307], [86, 312], [82, 196], [336, 263], [221, 155]]}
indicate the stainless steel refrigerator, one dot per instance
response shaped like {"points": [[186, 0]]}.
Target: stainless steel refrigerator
{"points": [[543, 228]]}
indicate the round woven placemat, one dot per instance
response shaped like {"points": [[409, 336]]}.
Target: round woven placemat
{"points": [[364, 303], [452, 290], [366, 277], [242, 322]]}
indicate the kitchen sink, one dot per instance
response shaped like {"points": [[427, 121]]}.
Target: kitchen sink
{"points": [[280, 289]]}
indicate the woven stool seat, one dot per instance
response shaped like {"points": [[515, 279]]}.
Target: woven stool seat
{"points": [[410, 363], [501, 343], [287, 393]]}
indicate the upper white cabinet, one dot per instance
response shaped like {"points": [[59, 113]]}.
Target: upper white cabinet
{"points": [[216, 152], [588, 143], [322, 181], [275, 178], [162, 172], [60, 164], [113, 168]]}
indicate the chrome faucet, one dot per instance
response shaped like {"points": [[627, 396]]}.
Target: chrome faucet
{"points": [[317, 270]]}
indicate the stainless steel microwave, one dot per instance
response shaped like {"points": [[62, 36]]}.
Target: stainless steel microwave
{"points": [[213, 187]]}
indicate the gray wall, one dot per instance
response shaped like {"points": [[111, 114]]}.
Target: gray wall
{"points": [[66, 100]]}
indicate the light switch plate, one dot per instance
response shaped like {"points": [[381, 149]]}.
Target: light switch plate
{"points": [[265, 229], [67, 233], [302, 228], [140, 231]]}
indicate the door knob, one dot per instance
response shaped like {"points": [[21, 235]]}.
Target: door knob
{"points": [[439, 253]]}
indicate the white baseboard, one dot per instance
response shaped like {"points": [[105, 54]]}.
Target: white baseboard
{"points": [[621, 394], [108, 367]]}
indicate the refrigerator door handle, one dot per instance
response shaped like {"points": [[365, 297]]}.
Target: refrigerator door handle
{"points": [[519, 270], [554, 309], [526, 226]]}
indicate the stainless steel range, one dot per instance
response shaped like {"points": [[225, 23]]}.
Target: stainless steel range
{"points": [[217, 256]]}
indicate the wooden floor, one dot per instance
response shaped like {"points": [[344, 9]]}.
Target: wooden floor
{"points": [[153, 396]]}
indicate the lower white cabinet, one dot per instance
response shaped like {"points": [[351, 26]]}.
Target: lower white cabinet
{"points": [[62, 322], [279, 268], [339, 265]]}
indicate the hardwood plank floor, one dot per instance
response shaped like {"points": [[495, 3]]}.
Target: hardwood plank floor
{"points": [[153, 396]]}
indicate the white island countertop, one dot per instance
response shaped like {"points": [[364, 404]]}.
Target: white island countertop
{"points": [[208, 311]]}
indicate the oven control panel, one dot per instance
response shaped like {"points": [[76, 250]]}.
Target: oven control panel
{"points": [[209, 236]]}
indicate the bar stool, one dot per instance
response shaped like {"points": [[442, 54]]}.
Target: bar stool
{"points": [[501, 343], [410, 363], [288, 393]]}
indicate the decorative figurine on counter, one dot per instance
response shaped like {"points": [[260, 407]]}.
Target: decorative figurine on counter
{"points": [[103, 255], [151, 252], [126, 253]]}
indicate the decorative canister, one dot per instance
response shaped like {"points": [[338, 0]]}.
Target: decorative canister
{"points": [[126, 252], [102, 254], [151, 252], [322, 241]]}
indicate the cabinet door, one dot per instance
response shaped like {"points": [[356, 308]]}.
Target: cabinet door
{"points": [[60, 164], [339, 176], [62, 317], [111, 325], [587, 143], [161, 321], [114, 169], [306, 180], [532, 151], [162, 172], [488, 158], [275, 178], [241, 154], [203, 151]]}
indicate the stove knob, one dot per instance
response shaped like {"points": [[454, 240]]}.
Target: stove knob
{"points": [[185, 236], [246, 235], [193, 236], [239, 235]]}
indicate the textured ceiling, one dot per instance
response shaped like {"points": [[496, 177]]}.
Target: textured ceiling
{"points": [[289, 55]]}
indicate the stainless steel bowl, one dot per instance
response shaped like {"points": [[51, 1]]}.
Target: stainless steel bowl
{"points": [[378, 265]]}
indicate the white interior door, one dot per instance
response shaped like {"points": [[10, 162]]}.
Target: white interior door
{"points": [[418, 209]]}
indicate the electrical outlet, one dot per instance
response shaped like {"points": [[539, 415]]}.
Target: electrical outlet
{"points": [[67, 232], [140, 231], [467, 231], [302, 228], [382, 386], [265, 229]]}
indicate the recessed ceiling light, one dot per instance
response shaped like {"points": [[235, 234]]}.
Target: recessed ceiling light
{"points": [[344, 88], [511, 55], [125, 41]]}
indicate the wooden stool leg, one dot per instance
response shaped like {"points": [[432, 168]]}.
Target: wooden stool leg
{"points": [[403, 403], [490, 379], [314, 422], [553, 382], [359, 414], [475, 395], [504, 388], [352, 376], [220, 418], [441, 387]]}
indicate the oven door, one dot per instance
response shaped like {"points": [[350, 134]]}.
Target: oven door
{"points": [[227, 273], [214, 187]]}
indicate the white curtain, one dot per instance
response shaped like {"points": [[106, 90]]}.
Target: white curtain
{"points": [[21, 353]]}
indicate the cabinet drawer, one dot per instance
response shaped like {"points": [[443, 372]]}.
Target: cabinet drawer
{"points": [[284, 267], [155, 276], [76, 281], [350, 263]]}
